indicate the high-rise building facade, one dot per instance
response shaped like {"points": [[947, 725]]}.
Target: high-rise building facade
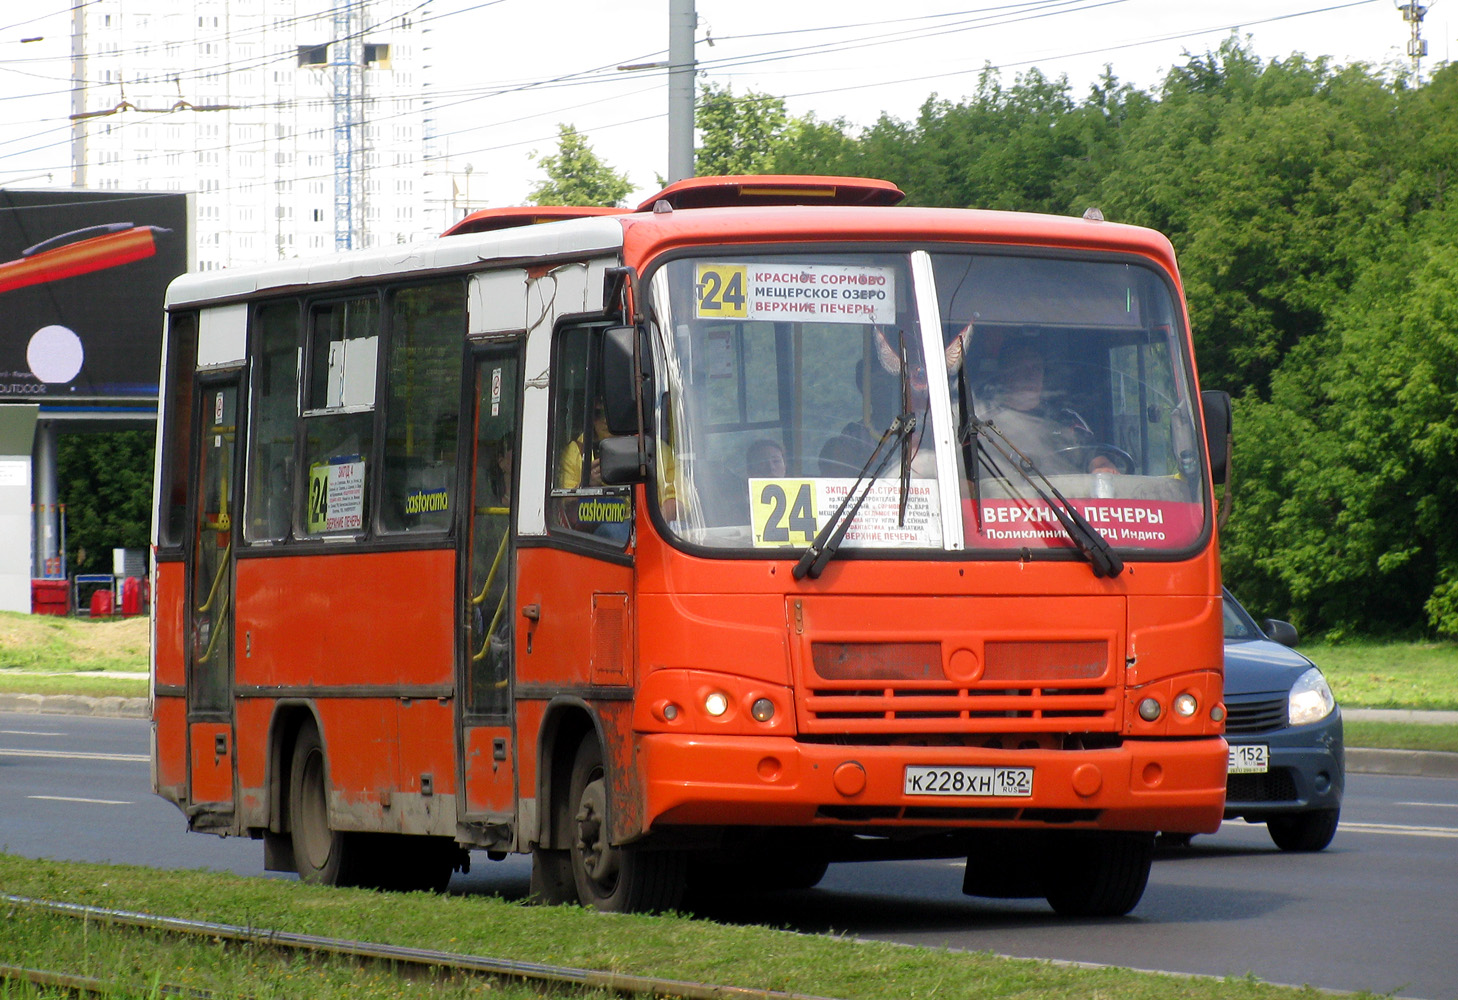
{"points": [[302, 125]]}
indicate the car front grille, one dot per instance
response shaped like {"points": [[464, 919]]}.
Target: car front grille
{"points": [[1274, 786], [1245, 718]]}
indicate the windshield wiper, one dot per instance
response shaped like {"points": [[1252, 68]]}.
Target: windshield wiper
{"points": [[906, 439], [828, 539], [972, 447], [1085, 537]]}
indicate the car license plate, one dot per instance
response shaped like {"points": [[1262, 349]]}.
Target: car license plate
{"points": [[1250, 758], [1016, 782]]}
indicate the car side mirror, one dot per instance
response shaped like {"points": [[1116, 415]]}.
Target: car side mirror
{"points": [[627, 379], [619, 463], [1279, 631], [1219, 431]]}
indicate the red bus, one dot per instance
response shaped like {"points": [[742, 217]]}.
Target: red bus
{"points": [[767, 526]]}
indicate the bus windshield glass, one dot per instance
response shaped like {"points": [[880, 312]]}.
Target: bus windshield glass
{"points": [[1064, 383]]}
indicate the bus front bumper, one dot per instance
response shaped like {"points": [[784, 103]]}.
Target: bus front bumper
{"points": [[1169, 786]]}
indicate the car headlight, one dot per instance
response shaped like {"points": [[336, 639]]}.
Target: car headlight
{"points": [[1311, 699]]}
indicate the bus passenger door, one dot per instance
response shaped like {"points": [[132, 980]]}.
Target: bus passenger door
{"points": [[209, 684], [488, 587]]}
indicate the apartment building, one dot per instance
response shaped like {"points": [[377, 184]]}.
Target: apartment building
{"points": [[303, 126]]}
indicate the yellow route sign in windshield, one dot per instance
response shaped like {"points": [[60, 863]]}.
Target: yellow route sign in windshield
{"points": [[720, 290]]}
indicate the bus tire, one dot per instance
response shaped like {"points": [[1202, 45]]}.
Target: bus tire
{"points": [[552, 883], [1098, 874], [614, 879], [322, 855]]}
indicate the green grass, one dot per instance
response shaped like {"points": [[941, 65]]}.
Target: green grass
{"points": [[671, 947], [92, 685], [1399, 736], [1421, 675], [140, 964], [47, 643]]}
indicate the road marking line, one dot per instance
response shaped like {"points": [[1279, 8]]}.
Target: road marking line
{"points": [[1391, 828], [1430, 805], [67, 798], [138, 758], [26, 732]]}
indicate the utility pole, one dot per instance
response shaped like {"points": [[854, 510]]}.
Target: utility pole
{"points": [[682, 22], [1417, 45]]}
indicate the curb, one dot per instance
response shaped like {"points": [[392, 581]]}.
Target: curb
{"points": [[74, 704], [1411, 763]]}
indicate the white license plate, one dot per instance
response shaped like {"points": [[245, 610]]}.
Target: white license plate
{"points": [[1014, 782], [1250, 758]]}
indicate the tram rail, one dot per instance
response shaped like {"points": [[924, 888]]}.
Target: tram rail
{"points": [[367, 951]]}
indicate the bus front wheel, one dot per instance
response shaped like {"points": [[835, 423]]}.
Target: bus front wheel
{"points": [[618, 879], [1097, 874], [322, 855]]}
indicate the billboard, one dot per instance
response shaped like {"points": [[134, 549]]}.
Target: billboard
{"points": [[82, 280]]}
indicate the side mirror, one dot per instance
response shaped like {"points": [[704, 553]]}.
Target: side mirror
{"points": [[1218, 432], [1279, 631], [627, 380], [619, 462]]}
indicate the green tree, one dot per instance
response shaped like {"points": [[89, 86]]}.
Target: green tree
{"points": [[577, 176], [737, 135], [105, 481]]}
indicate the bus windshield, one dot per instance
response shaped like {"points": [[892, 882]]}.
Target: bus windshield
{"points": [[1033, 384]]}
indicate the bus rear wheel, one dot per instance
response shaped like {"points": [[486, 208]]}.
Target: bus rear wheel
{"points": [[322, 855], [1097, 874], [615, 879]]}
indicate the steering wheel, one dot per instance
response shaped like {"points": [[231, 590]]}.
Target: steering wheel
{"points": [[1080, 455]]}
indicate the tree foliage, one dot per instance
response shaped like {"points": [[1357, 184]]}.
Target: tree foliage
{"points": [[1310, 205], [737, 134], [105, 481], [577, 176]]}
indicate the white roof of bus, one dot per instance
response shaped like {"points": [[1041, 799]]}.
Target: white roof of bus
{"points": [[575, 236]]}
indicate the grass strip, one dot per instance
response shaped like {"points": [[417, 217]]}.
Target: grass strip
{"points": [[666, 946], [139, 963], [1421, 675], [1399, 736], [53, 643], [88, 685]]}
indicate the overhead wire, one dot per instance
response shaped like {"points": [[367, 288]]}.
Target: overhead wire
{"points": [[1022, 11]]}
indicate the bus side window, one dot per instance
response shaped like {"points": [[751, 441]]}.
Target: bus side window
{"points": [[579, 503], [423, 389], [177, 439], [339, 417], [275, 391]]}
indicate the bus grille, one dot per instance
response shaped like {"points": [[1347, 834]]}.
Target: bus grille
{"points": [[866, 688]]}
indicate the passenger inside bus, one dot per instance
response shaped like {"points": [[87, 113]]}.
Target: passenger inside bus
{"points": [[1056, 439], [765, 459]]}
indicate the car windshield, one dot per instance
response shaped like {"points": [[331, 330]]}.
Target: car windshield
{"points": [[1238, 622], [781, 373]]}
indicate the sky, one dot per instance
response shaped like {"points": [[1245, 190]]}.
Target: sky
{"points": [[855, 59], [508, 72]]}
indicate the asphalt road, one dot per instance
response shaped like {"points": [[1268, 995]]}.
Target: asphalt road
{"points": [[1377, 911]]}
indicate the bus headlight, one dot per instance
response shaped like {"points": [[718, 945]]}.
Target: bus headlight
{"points": [[1185, 705], [1311, 699], [1149, 709], [716, 703]]}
